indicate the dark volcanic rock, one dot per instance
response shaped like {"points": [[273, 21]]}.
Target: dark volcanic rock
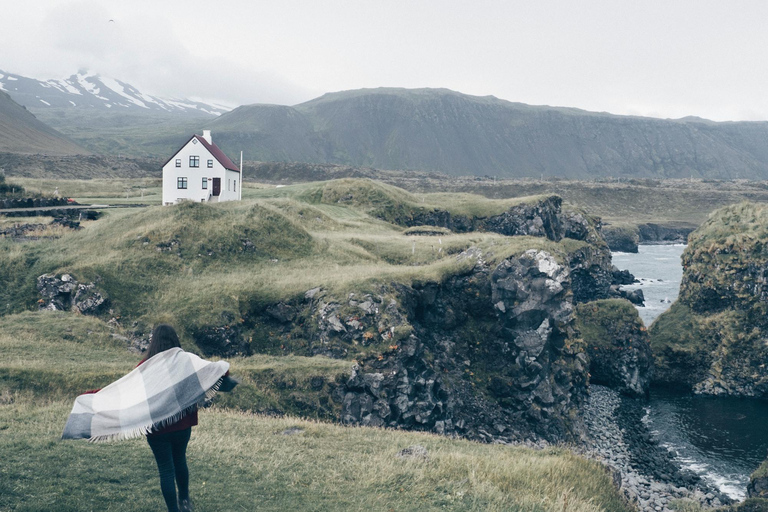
{"points": [[620, 277], [222, 340], [63, 292], [656, 233], [507, 329]]}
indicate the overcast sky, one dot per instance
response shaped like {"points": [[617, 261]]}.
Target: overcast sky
{"points": [[661, 58]]}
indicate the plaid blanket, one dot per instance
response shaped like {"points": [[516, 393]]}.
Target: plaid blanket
{"points": [[155, 394]]}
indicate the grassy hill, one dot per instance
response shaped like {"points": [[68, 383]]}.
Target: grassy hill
{"points": [[21, 132], [195, 262]]}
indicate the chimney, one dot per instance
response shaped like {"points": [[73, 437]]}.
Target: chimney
{"points": [[207, 136]]}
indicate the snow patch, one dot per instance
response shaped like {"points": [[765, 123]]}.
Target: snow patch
{"points": [[66, 86], [73, 103], [90, 87], [120, 89], [12, 77], [45, 102]]}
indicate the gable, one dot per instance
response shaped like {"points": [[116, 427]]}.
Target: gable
{"points": [[212, 149]]}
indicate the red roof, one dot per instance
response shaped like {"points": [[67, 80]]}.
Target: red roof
{"points": [[217, 153]]}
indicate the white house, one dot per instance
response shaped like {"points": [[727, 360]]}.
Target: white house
{"points": [[201, 172]]}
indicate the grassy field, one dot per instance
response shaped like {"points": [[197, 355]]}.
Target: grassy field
{"points": [[98, 191], [240, 461], [624, 203]]}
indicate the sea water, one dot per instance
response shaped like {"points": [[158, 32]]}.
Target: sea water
{"points": [[723, 440]]}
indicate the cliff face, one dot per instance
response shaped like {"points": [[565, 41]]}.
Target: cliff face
{"points": [[488, 354], [713, 338]]}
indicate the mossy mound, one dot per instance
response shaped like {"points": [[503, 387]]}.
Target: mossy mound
{"points": [[196, 231], [617, 344], [713, 337]]}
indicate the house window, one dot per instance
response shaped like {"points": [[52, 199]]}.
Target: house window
{"points": [[229, 185], [210, 164], [181, 182], [205, 183], [178, 162], [234, 184], [194, 161]]}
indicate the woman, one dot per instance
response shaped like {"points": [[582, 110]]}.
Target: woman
{"points": [[158, 399], [169, 444]]}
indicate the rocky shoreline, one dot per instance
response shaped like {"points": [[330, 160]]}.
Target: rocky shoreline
{"points": [[649, 477]]}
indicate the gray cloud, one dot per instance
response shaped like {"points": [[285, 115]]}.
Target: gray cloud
{"points": [[667, 59]]}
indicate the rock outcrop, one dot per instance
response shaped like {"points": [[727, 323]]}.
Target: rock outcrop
{"points": [[543, 217], [488, 354], [713, 338], [618, 346], [63, 293]]}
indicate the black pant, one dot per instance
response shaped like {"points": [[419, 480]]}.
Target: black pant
{"points": [[171, 455]]}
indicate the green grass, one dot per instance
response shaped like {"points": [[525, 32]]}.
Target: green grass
{"points": [[98, 191], [391, 203], [239, 461]]}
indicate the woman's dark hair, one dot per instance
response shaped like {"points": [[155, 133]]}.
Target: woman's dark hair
{"points": [[163, 337]]}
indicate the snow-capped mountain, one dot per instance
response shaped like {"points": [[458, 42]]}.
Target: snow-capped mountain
{"points": [[90, 90]]}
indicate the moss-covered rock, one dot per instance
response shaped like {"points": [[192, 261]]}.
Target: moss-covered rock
{"points": [[713, 339], [622, 238], [617, 344], [758, 482]]}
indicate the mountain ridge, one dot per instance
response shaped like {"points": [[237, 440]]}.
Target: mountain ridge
{"points": [[447, 131]]}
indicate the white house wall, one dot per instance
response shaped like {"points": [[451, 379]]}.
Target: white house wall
{"points": [[230, 180]]}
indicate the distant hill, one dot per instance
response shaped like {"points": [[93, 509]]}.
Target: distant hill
{"points": [[21, 132], [454, 133]]}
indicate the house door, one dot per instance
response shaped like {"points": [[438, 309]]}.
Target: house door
{"points": [[216, 186]]}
